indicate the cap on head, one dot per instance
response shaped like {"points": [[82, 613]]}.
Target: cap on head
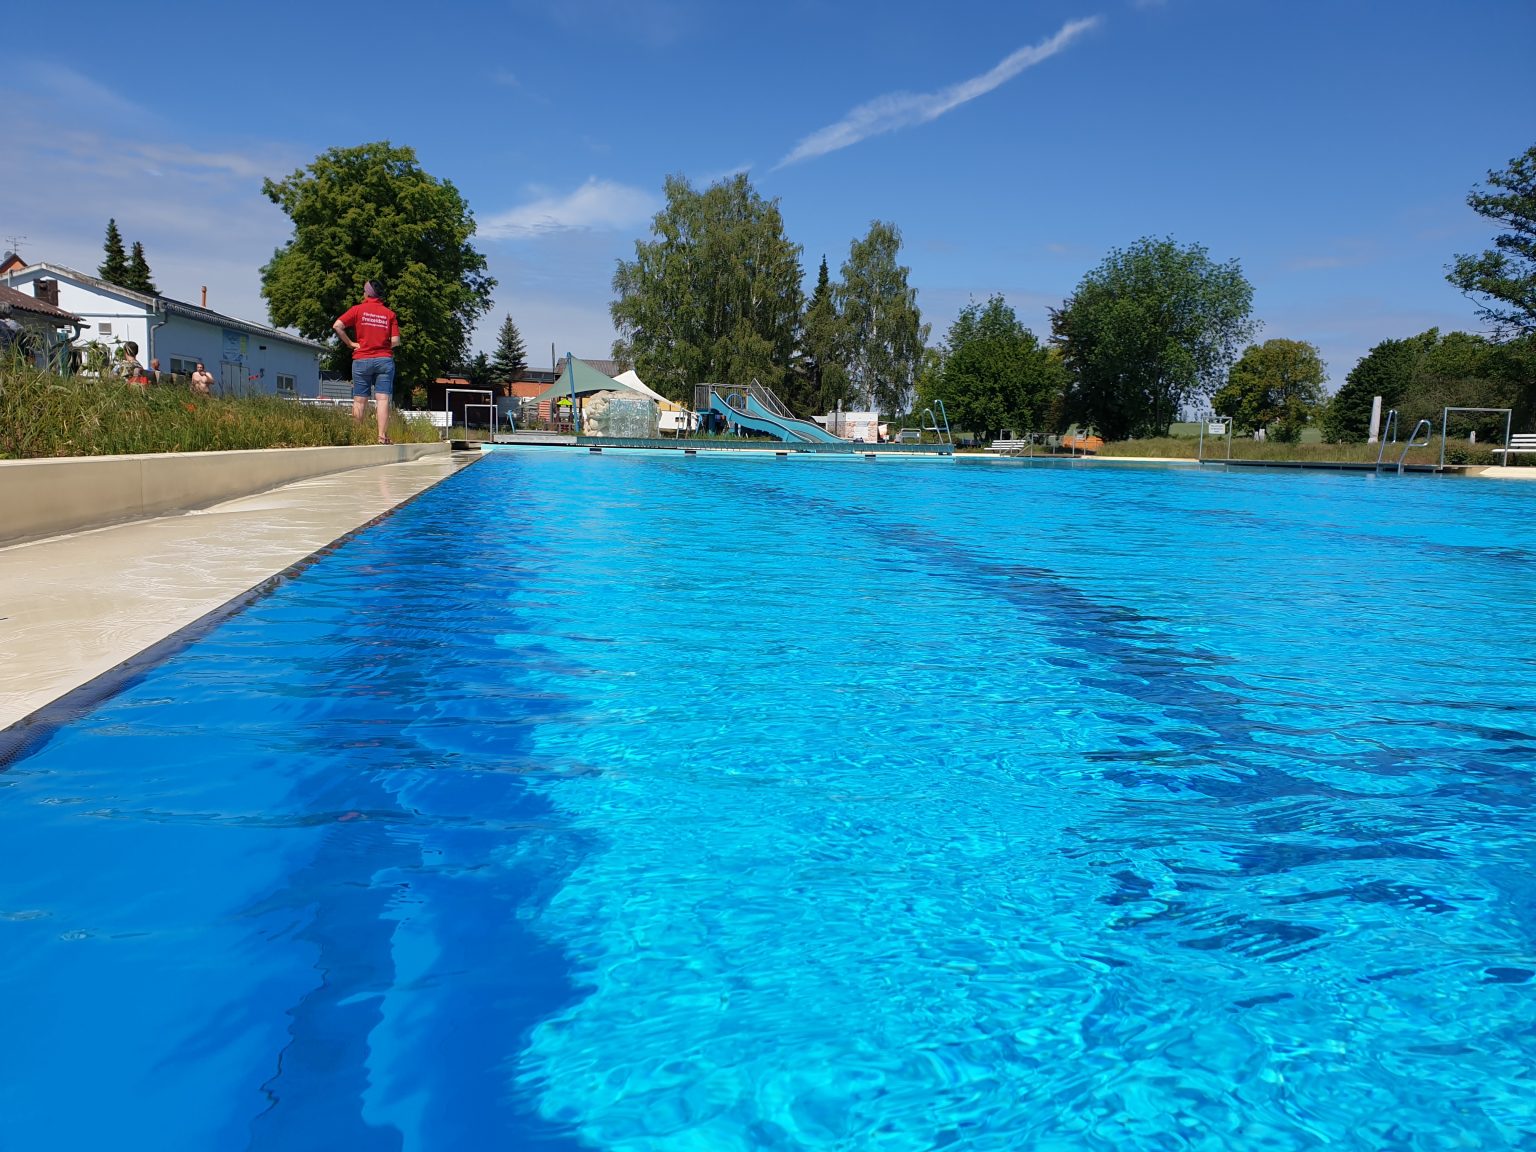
{"points": [[370, 291]]}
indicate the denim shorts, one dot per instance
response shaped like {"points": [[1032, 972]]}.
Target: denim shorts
{"points": [[373, 375]]}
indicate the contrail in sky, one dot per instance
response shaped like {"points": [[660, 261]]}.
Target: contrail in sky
{"points": [[901, 109]]}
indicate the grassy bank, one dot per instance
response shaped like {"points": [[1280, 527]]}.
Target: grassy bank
{"points": [[43, 415], [1457, 451]]}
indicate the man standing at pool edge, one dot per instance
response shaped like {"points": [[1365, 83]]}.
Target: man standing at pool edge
{"points": [[373, 354]]}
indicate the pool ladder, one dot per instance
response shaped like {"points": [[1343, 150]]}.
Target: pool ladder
{"points": [[931, 424], [1391, 430]]}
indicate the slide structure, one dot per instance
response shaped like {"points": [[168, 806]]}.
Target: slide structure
{"points": [[757, 418]]}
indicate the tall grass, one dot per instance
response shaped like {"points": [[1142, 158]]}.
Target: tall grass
{"points": [[44, 415], [1458, 451]]}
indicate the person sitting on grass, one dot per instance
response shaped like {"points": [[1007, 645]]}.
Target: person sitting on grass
{"points": [[377, 335]]}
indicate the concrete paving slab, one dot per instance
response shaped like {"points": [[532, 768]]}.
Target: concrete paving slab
{"points": [[73, 607]]}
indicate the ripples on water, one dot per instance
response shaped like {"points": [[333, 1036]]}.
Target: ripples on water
{"points": [[722, 804]]}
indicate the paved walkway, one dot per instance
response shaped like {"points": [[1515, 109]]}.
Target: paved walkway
{"points": [[73, 607]]}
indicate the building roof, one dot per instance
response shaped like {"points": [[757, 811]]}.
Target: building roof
{"points": [[176, 307], [609, 368], [14, 301]]}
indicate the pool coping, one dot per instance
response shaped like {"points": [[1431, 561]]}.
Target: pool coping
{"points": [[25, 734], [52, 495]]}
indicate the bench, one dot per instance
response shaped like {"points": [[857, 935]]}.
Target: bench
{"points": [[1009, 447], [1519, 442]]}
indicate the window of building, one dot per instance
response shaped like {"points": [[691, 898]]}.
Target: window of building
{"points": [[181, 366], [105, 327], [286, 384]]}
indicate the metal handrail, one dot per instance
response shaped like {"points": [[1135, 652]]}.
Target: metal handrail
{"points": [[1389, 430], [943, 434], [1429, 430], [766, 397]]}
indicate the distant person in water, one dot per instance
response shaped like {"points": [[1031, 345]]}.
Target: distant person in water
{"points": [[376, 335], [202, 380]]}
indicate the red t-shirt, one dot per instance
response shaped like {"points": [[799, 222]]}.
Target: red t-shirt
{"points": [[374, 326]]}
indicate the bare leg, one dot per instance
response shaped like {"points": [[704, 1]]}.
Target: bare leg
{"points": [[381, 405], [357, 408]]}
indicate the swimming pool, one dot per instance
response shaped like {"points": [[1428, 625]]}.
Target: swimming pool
{"points": [[711, 804]]}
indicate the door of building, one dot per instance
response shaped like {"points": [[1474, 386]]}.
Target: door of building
{"points": [[231, 378]]}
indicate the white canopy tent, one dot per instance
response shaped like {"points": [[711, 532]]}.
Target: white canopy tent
{"points": [[674, 417]]}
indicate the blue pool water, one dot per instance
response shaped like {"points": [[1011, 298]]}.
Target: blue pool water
{"points": [[703, 804]]}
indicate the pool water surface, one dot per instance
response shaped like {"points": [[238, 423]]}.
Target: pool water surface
{"points": [[713, 804]]}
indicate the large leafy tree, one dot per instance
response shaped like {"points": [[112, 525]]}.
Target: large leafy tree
{"points": [[139, 278], [821, 378], [1387, 371], [1505, 275], [1152, 328], [511, 358], [372, 213], [114, 264], [883, 330], [1276, 385], [713, 295], [1422, 375], [995, 374], [479, 371]]}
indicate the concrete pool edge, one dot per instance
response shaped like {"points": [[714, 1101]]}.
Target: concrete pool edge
{"points": [[59, 494], [117, 654]]}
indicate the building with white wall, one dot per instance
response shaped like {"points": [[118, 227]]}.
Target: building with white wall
{"points": [[242, 355]]}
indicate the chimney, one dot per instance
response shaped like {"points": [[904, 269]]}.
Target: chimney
{"points": [[205, 295], [47, 291]]}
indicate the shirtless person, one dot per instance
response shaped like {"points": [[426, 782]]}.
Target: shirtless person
{"points": [[202, 380], [373, 355]]}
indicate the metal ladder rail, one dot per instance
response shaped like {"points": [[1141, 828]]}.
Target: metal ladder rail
{"points": [[940, 431], [1389, 431], [1429, 432]]}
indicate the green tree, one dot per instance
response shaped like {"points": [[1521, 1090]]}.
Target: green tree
{"points": [[996, 375], [1422, 375], [1153, 328], [883, 330], [1505, 275], [511, 359], [1276, 385], [714, 295], [821, 377], [372, 213], [1387, 371], [1461, 370], [139, 278], [114, 267], [479, 372]]}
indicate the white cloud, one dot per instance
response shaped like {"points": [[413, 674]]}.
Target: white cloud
{"points": [[902, 109], [504, 78], [199, 213], [598, 205], [710, 178]]}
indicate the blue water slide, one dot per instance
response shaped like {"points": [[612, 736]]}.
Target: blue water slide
{"points": [[758, 419], [805, 429]]}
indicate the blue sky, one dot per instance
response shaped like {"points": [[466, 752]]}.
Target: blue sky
{"points": [[1328, 145]]}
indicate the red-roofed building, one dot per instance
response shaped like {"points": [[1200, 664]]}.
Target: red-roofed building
{"points": [[36, 324]]}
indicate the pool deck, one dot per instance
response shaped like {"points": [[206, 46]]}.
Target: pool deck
{"points": [[75, 607]]}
